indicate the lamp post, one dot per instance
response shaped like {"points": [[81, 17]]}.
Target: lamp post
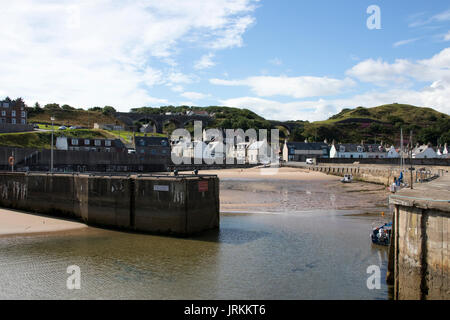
{"points": [[51, 153]]}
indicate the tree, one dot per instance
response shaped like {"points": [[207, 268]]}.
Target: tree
{"points": [[52, 107], [66, 107], [108, 110]]}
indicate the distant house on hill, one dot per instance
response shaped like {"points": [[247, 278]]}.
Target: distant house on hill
{"points": [[300, 151], [197, 113], [93, 145], [424, 152]]}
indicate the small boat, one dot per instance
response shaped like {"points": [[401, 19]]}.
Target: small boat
{"points": [[382, 235], [347, 178]]}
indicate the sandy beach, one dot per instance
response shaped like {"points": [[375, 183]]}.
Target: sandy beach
{"points": [[294, 190], [19, 223]]}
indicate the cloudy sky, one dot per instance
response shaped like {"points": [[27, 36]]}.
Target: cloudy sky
{"points": [[285, 60]]}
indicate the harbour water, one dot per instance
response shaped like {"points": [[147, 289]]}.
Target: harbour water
{"points": [[268, 252]]}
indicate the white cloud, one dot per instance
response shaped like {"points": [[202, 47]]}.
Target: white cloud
{"points": [[103, 52], [440, 17], [435, 96], [447, 36], [205, 62], [404, 42], [296, 87], [403, 71], [194, 95]]}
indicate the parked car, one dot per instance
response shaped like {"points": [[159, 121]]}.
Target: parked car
{"points": [[62, 128], [309, 161], [131, 151], [35, 126], [74, 127]]}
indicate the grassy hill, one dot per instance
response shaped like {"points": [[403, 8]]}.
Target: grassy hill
{"points": [[42, 139], [372, 125], [382, 123], [69, 116]]}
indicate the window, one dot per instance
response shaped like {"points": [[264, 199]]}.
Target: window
{"points": [[341, 149], [98, 142], [94, 149], [3, 113], [23, 114], [13, 113], [108, 149], [87, 142], [142, 143], [74, 142], [359, 148], [5, 105], [142, 150], [108, 143], [23, 121], [13, 121]]}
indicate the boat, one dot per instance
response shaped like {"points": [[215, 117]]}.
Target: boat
{"points": [[347, 178], [382, 235]]}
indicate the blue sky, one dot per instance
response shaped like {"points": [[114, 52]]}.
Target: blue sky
{"points": [[283, 59]]}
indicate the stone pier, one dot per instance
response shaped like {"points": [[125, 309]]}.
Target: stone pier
{"points": [[419, 259], [164, 204]]}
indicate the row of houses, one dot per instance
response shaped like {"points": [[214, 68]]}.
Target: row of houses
{"points": [[374, 151], [253, 152], [245, 152], [155, 146], [300, 151]]}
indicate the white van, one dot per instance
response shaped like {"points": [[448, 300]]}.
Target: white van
{"points": [[310, 161]]}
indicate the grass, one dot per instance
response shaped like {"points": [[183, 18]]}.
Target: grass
{"points": [[42, 139], [128, 135], [69, 118]]}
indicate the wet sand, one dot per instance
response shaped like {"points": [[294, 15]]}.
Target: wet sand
{"points": [[20, 223], [295, 190]]}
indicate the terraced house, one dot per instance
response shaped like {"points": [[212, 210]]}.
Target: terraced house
{"points": [[93, 145], [13, 111]]}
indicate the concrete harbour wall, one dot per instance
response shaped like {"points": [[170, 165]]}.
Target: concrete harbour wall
{"points": [[419, 265], [179, 205], [384, 176]]}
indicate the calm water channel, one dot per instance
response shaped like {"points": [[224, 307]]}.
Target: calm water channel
{"points": [[294, 254]]}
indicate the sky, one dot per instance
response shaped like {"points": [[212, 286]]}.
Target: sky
{"points": [[285, 60]]}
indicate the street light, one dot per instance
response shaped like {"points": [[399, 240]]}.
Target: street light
{"points": [[51, 154]]}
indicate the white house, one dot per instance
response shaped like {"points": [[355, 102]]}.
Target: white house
{"points": [[357, 151], [442, 152], [259, 152], [241, 152], [424, 152], [392, 153], [190, 150], [347, 150], [215, 151]]}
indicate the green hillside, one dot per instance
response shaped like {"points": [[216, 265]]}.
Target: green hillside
{"points": [[42, 139], [382, 123], [69, 116]]}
